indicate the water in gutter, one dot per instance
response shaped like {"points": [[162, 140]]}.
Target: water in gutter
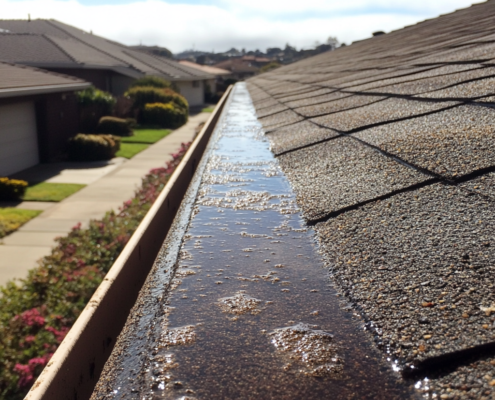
{"points": [[243, 308]]}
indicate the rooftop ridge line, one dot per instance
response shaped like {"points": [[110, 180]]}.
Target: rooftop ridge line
{"points": [[92, 46], [58, 47]]}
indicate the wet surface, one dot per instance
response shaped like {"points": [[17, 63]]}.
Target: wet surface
{"points": [[250, 312]]}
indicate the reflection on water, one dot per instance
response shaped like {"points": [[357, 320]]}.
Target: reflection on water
{"points": [[250, 313]]}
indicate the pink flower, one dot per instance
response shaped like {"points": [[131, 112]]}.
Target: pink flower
{"points": [[31, 318], [30, 339], [26, 372], [59, 335], [26, 375]]}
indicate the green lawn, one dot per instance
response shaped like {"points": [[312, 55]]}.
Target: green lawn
{"points": [[208, 109], [11, 219], [129, 150], [147, 136], [45, 191]]}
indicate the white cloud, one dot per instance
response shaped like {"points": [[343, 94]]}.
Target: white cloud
{"points": [[239, 23]]}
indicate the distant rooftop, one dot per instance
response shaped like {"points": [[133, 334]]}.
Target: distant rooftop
{"points": [[206, 68], [50, 43]]}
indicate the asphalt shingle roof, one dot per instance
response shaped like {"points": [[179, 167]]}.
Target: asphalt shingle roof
{"points": [[389, 145], [41, 42], [19, 77]]}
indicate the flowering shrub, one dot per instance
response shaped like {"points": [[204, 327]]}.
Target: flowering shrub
{"points": [[164, 115], [12, 189], [37, 312]]}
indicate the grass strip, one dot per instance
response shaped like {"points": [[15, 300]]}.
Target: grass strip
{"points": [[208, 109], [12, 219], [46, 191], [37, 312], [147, 136], [129, 150]]}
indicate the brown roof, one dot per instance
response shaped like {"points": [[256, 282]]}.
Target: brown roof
{"points": [[237, 65], [19, 80], [51, 43], [390, 146], [206, 68], [257, 59]]}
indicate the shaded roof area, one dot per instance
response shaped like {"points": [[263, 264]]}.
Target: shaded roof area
{"points": [[50, 43], [206, 68], [390, 146], [19, 80]]}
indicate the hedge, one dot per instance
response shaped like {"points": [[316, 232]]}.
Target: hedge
{"points": [[166, 115], [86, 147], [12, 189], [114, 126], [37, 312], [147, 95]]}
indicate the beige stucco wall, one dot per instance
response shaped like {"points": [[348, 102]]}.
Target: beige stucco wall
{"points": [[194, 95]]}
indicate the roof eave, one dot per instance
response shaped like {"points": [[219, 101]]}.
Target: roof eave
{"points": [[34, 90]]}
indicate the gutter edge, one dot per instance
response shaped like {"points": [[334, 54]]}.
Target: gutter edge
{"points": [[74, 369]]}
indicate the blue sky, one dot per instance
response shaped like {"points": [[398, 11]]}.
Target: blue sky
{"points": [[221, 24]]}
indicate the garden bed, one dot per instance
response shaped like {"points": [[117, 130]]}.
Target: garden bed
{"points": [[37, 312]]}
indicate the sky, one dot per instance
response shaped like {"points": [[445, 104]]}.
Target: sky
{"points": [[218, 25]]}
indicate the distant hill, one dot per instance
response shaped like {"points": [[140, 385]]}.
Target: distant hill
{"points": [[286, 55]]}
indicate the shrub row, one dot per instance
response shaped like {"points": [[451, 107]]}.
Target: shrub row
{"points": [[87, 147], [12, 189], [37, 312], [162, 107], [146, 95]]}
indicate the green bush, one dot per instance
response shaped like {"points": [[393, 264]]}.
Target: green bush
{"points": [[83, 147], [114, 126], [151, 81], [37, 312], [146, 95], [96, 97], [93, 104], [165, 115], [12, 189]]}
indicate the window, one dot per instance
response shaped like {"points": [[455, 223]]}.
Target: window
{"points": [[195, 83]]}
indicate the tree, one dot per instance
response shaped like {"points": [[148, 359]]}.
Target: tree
{"points": [[332, 41]]}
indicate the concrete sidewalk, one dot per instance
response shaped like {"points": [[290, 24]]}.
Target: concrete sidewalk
{"points": [[20, 250]]}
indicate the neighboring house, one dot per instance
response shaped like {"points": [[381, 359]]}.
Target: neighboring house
{"points": [[257, 61], [239, 68], [109, 65], [38, 113], [219, 74]]}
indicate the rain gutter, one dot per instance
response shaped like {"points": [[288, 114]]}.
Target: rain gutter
{"points": [[75, 368]]}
